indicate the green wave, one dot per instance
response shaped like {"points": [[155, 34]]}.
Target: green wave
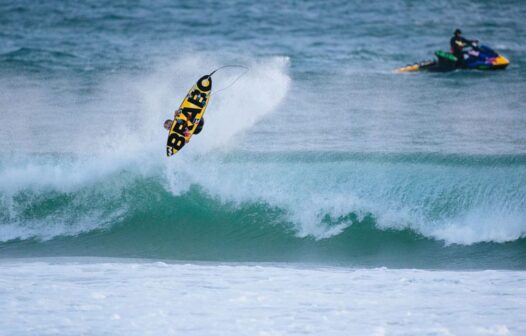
{"points": [[196, 227], [127, 212]]}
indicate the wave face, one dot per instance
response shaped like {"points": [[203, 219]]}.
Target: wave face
{"points": [[269, 206]]}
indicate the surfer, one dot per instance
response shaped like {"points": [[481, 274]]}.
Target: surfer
{"points": [[458, 43], [168, 125]]}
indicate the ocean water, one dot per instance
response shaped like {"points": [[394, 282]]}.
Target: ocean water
{"points": [[325, 195], [197, 299]]}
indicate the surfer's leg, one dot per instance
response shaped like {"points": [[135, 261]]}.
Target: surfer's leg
{"points": [[199, 126]]}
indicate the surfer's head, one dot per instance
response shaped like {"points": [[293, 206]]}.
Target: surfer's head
{"points": [[458, 32], [168, 124]]}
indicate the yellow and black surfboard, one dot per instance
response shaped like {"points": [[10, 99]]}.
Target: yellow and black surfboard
{"points": [[189, 115]]}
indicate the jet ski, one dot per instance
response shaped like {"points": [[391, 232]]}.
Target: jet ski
{"points": [[477, 57]]}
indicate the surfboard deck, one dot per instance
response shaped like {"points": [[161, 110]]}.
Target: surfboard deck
{"points": [[189, 115]]}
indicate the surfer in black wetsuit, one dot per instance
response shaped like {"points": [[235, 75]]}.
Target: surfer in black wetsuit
{"points": [[168, 125], [458, 43]]}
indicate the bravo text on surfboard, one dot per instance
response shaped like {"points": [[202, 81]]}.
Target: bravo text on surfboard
{"points": [[192, 108]]}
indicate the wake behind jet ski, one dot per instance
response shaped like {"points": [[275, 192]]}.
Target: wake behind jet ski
{"points": [[477, 57]]}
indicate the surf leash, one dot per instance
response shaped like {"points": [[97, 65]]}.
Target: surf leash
{"points": [[235, 80]]}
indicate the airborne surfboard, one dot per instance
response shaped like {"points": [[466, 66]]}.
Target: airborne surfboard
{"points": [[189, 115]]}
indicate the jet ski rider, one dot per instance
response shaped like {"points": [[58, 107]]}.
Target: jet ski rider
{"points": [[458, 43]]}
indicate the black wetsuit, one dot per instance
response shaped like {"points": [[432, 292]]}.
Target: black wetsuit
{"points": [[458, 43], [199, 126]]}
